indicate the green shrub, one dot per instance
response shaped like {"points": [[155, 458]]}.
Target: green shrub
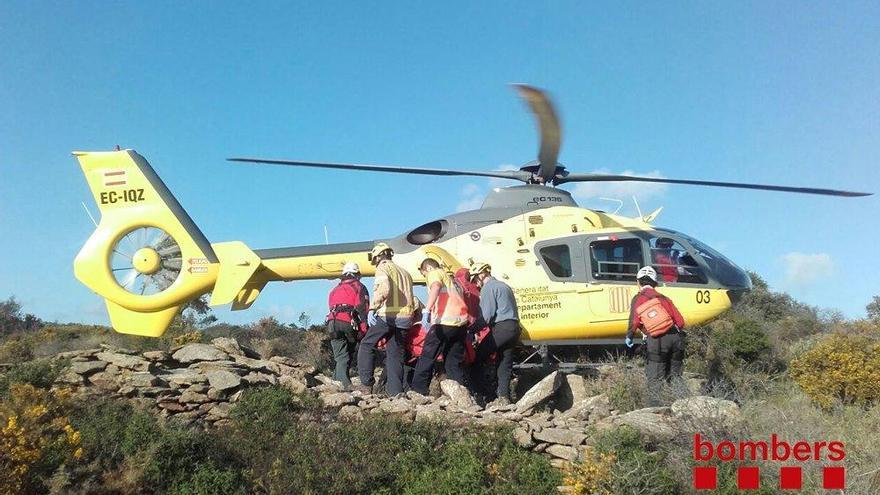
{"points": [[268, 412], [636, 470], [840, 368], [113, 430], [746, 341], [16, 350], [178, 454], [40, 373]]}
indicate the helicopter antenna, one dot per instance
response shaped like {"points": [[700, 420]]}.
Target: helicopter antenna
{"points": [[638, 209], [88, 213], [619, 204], [326, 235]]}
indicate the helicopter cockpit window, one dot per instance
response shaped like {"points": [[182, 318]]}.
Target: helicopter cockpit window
{"points": [[557, 259], [673, 262], [616, 260]]}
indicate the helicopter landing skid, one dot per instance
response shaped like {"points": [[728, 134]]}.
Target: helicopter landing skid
{"points": [[543, 358]]}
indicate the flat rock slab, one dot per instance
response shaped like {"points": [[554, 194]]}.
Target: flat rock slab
{"points": [[126, 361], [191, 353], [563, 452], [227, 345], [157, 355], [338, 400], [560, 436], [143, 379], [542, 391], [184, 376], [223, 380], [87, 367]]}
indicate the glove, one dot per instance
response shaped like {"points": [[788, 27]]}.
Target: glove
{"points": [[371, 318], [426, 319], [628, 341]]}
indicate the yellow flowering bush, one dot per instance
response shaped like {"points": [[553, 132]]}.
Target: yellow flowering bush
{"points": [[841, 367], [35, 437], [593, 476], [194, 336]]}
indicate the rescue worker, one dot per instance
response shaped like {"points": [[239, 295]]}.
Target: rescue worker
{"points": [[499, 311], [666, 260], [661, 323], [448, 317], [347, 320], [390, 315]]}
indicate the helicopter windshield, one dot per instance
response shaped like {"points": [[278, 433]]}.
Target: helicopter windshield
{"points": [[724, 270]]}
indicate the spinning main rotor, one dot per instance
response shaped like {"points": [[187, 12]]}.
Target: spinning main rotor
{"points": [[546, 169]]}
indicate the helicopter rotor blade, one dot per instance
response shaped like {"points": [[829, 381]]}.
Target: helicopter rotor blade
{"points": [[738, 185], [500, 174], [548, 126]]}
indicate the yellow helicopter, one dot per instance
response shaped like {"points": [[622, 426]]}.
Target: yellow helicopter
{"points": [[572, 269]]}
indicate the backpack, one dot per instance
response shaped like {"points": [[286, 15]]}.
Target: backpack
{"points": [[656, 321]]}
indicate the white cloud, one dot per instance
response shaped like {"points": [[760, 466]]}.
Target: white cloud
{"points": [[803, 269], [471, 197], [623, 191]]}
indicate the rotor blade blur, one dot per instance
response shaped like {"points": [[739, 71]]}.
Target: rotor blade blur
{"points": [[548, 126], [738, 185], [501, 174]]}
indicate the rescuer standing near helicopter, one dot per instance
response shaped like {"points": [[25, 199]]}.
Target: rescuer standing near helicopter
{"points": [[498, 306], [449, 324], [391, 314], [347, 320], [661, 323]]}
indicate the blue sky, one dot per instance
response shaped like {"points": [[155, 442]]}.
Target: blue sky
{"points": [[770, 92]]}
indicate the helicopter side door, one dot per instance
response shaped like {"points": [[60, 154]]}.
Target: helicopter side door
{"points": [[551, 306]]}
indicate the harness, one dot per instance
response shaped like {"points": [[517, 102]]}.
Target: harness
{"points": [[349, 331]]}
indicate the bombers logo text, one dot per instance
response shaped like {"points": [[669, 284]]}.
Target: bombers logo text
{"points": [[749, 477]]}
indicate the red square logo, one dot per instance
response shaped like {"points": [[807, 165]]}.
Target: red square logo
{"points": [[834, 478], [705, 478], [748, 478], [790, 478]]}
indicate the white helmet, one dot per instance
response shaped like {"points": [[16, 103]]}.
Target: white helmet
{"points": [[351, 268], [647, 271]]}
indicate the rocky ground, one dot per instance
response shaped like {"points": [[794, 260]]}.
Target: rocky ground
{"points": [[198, 383]]}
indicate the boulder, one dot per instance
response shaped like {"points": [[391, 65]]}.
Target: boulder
{"points": [[417, 398], [184, 376], [224, 365], [572, 390], [295, 385], [351, 413], [157, 355], [562, 452], [458, 394], [171, 405], [523, 438], [653, 423], [227, 345], [71, 378], [591, 409], [126, 361], [254, 378], [191, 397], [542, 391], [223, 380], [255, 364], [337, 400], [87, 367], [560, 436], [191, 353], [104, 381], [141, 379], [220, 410], [703, 413]]}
